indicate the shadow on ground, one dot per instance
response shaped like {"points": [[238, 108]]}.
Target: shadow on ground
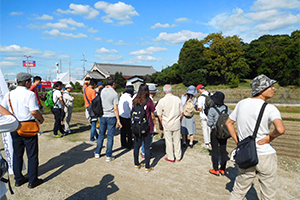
{"points": [[66, 160], [101, 191]]}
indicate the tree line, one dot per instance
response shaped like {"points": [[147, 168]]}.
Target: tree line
{"points": [[227, 60]]}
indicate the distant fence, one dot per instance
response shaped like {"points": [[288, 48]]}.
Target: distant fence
{"points": [[234, 95]]}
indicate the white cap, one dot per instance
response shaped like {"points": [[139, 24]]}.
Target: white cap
{"points": [[69, 86]]}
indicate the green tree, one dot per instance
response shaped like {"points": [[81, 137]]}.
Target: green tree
{"points": [[191, 62], [224, 61], [121, 81], [169, 75]]}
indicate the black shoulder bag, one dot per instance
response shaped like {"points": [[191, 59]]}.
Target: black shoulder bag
{"points": [[246, 155]]}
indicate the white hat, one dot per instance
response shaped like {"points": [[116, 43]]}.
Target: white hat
{"points": [[152, 88], [69, 86]]}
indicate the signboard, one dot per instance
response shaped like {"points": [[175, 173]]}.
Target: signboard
{"points": [[31, 63], [45, 84]]}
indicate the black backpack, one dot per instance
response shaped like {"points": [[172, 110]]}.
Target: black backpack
{"points": [[221, 129], [139, 122], [3, 171], [97, 104], [208, 103]]}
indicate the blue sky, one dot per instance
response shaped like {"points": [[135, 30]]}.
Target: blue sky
{"points": [[127, 32]]}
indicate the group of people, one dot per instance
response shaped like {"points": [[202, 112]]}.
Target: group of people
{"points": [[172, 120]]}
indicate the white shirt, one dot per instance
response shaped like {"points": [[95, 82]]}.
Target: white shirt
{"points": [[246, 113], [56, 95], [125, 105], [8, 123], [23, 101], [201, 104]]}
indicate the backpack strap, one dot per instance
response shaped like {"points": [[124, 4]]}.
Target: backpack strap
{"points": [[56, 99], [261, 112], [220, 112]]}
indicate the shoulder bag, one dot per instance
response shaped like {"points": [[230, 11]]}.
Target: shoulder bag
{"points": [[29, 128], [246, 155]]}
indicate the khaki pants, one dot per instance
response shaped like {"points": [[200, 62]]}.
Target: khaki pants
{"points": [[266, 172], [173, 144]]}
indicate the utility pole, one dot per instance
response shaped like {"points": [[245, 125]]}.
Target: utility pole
{"points": [[28, 68], [84, 60]]}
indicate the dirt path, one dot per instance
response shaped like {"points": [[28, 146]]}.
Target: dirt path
{"points": [[71, 172]]}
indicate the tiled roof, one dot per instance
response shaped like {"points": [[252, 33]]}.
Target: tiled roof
{"points": [[127, 70]]}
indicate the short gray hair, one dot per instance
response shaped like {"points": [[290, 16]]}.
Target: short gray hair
{"points": [[167, 88]]}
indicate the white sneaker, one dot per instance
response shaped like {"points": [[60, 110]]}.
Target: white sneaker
{"points": [[109, 159], [97, 155]]}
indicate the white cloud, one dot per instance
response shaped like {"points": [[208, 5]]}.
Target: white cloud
{"points": [[16, 13], [60, 26], [140, 59], [118, 11], [109, 40], [98, 38], [279, 23], [275, 4], [148, 51], [71, 22], [180, 37], [49, 54], [78, 9], [16, 49], [56, 32], [44, 17], [159, 25], [182, 19], [121, 42], [7, 64], [107, 58], [91, 30], [225, 22], [267, 15], [106, 51], [64, 56]]}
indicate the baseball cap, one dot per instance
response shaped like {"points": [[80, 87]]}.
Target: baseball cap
{"points": [[200, 86]]}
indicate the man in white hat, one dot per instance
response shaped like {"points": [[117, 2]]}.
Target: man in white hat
{"points": [[245, 114], [68, 98]]}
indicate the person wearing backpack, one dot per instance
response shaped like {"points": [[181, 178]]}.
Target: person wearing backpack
{"points": [[89, 94], [204, 101], [142, 109], [218, 142], [188, 126], [245, 114]]}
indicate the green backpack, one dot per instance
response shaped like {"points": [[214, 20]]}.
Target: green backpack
{"points": [[49, 99], [208, 103]]}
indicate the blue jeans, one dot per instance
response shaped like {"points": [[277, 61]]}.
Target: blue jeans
{"points": [[109, 124], [94, 133], [143, 145], [137, 144]]}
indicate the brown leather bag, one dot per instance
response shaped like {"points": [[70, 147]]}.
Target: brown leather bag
{"points": [[28, 129]]}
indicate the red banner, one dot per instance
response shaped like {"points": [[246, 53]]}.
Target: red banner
{"points": [[30, 63], [45, 84]]}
